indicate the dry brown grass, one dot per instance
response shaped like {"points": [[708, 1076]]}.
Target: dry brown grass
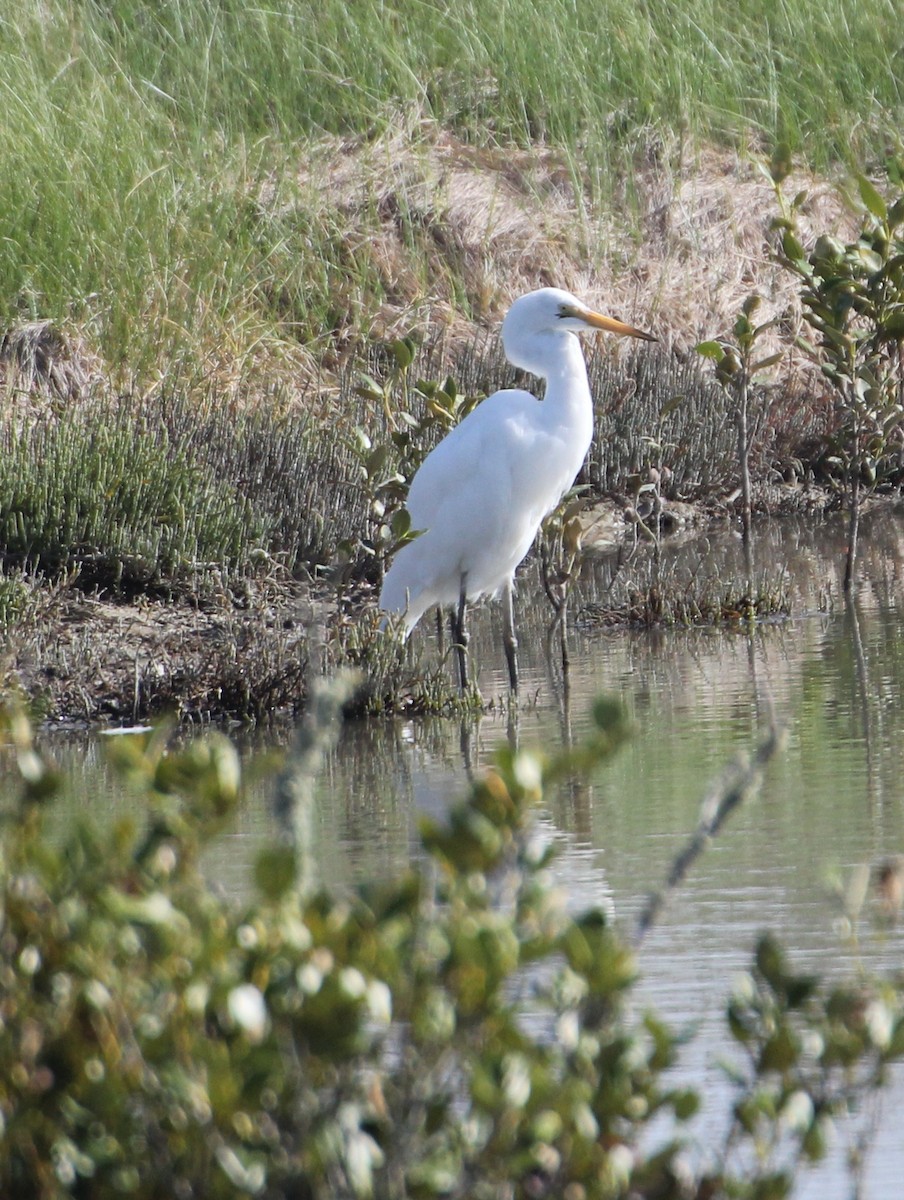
{"points": [[452, 233], [686, 247], [39, 358]]}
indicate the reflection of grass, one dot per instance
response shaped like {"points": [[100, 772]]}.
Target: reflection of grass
{"points": [[672, 601]]}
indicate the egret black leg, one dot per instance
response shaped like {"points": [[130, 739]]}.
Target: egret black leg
{"points": [[460, 636], [510, 641]]}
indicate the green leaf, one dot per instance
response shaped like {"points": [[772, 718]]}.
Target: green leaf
{"points": [[770, 961], [676, 401], [780, 162], [871, 198], [376, 459], [815, 1142], [738, 1025], [792, 248], [712, 349], [155, 909], [403, 352], [780, 1052], [571, 535], [742, 327], [895, 1047], [869, 258], [828, 250], [893, 325], [751, 304], [400, 523], [685, 1103], [765, 171], [771, 1187], [369, 388]]}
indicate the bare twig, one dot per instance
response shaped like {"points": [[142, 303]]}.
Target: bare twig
{"points": [[740, 779], [294, 800]]}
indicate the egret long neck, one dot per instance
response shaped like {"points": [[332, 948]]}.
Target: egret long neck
{"points": [[567, 403]]}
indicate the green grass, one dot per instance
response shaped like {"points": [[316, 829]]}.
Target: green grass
{"points": [[135, 137], [15, 595], [513, 69]]}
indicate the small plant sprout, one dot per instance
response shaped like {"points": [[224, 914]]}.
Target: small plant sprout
{"points": [[560, 560], [387, 464], [736, 366], [402, 351]]}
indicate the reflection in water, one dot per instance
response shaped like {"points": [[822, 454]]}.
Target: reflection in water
{"points": [[831, 802]]}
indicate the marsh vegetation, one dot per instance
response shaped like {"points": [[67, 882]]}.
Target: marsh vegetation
{"points": [[218, 225], [252, 266], [457, 1029]]}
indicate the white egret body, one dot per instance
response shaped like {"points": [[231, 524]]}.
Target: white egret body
{"points": [[479, 497]]}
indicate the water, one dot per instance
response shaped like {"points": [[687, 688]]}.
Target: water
{"points": [[830, 803]]}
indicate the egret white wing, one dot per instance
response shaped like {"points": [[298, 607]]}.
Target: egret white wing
{"points": [[457, 472]]}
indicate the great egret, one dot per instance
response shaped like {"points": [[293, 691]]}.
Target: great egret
{"points": [[480, 495]]}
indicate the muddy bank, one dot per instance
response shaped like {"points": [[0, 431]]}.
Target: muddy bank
{"points": [[89, 658]]}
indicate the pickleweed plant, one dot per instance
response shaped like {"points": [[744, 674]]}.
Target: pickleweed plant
{"points": [[113, 495], [737, 365]]}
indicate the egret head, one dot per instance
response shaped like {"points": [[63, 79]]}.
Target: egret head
{"points": [[550, 310]]}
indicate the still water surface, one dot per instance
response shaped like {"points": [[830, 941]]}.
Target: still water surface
{"points": [[831, 802]]}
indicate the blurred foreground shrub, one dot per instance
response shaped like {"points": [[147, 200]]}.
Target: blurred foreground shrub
{"points": [[453, 1032]]}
